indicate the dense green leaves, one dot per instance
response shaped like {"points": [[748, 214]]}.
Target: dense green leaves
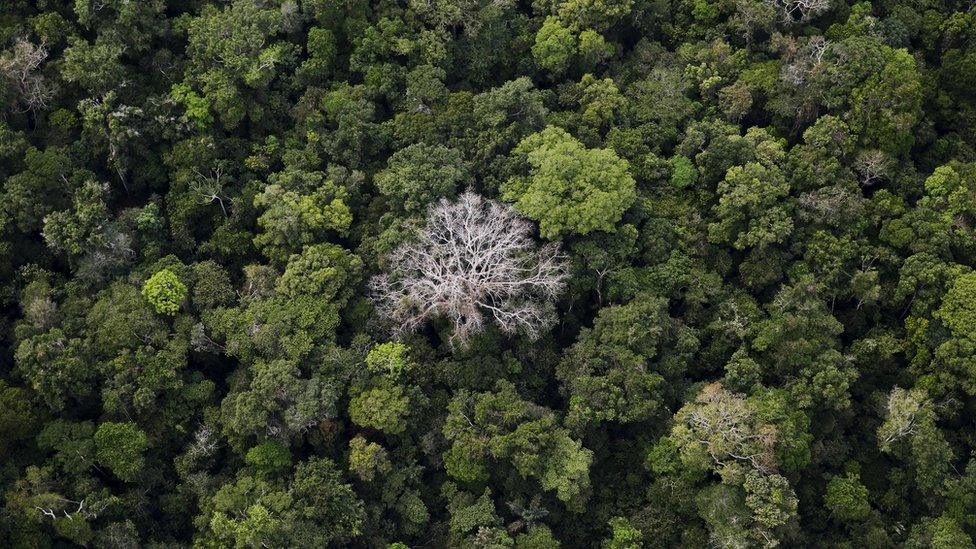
{"points": [[165, 292], [570, 189], [119, 446], [421, 174], [473, 273]]}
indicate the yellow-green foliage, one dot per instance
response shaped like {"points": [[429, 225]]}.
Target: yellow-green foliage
{"points": [[165, 292]]}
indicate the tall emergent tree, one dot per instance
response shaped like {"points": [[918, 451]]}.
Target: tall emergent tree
{"points": [[473, 262]]}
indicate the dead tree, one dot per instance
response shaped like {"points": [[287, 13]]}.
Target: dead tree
{"points": [[873, 166], [805, 61], [473, 262], [20, 67]]}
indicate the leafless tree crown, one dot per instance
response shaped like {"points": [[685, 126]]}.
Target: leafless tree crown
{"points": [[805, 61], [800, 10], [474, 261], [20, 68], [873, 166]]}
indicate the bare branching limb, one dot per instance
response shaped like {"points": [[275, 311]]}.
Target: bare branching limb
{"points": [[205, 442], [210, 187], [62, 506], [873, 166], [800, 10]]}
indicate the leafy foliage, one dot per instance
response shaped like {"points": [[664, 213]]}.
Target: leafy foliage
{"points": [[472, 273], [165, 292]]}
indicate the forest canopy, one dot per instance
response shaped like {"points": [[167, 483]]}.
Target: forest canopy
{"points": [[487, 273]]}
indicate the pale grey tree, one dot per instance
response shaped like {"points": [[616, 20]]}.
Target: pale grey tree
{"points": [[20, 66], [474, 262]]}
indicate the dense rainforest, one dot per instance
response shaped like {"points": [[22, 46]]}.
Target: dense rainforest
{"points": [[487, 273]]}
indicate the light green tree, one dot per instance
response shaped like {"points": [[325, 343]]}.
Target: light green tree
{"points": [[570, 188], [165, 292]]}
